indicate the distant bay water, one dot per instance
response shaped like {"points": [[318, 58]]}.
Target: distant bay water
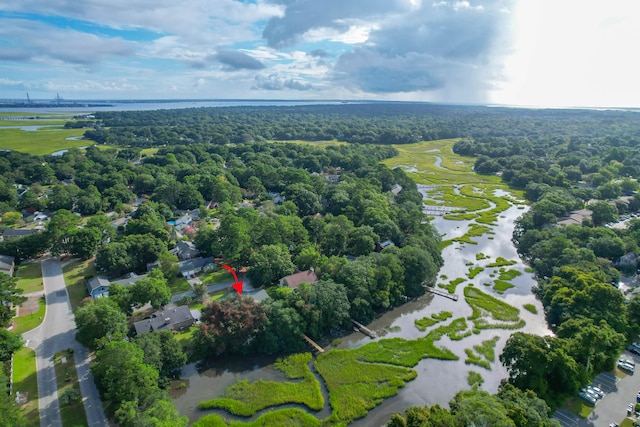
{"points": [[142, 105]]}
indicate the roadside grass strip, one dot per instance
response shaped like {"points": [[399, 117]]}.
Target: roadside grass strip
{"points": [[451, 286], [484, 305], [30, 321], [279, 418], [355, 387], [29, 277], [578, 407], [245, 399], [483, 354], [426, 322], [25, 381], [70, 400]]}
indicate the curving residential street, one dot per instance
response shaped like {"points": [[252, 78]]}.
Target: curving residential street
{"points": [[57, 333]]}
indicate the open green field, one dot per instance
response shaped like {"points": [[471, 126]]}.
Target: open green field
{"points": [[30, 321], [30, 277], [41, 142], [71, 407], [25, 381], [74, 277]]}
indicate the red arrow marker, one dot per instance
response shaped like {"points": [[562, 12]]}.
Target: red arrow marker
{"points": [[238, 285]]}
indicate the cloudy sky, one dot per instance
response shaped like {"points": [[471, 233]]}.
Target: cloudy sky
{"points": [[521, 52]]}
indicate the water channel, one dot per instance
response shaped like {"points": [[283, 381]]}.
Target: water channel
{"points": [[437, 381]]}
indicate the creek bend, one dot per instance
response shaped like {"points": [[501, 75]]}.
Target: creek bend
{"points": [[437, 381]]}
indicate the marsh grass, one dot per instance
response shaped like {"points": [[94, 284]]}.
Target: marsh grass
{"points": [[530, 308], [474, 379], [474, 271], [279, 418], [245, 398], [435, 318], [501, 286], [42, 141], [501, 262], [451, 286]]}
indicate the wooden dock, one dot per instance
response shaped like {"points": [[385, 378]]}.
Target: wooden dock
{"points": [[364, 329], [442, 293], [313, 343]]}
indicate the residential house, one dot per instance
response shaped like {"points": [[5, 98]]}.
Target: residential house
{"points": [[380, 246], [191, 267], [332, 178], [628, 260], [576, 217], [183, 222], [98, 287], [173, 319], [15, 233], [396, 189], [185, 250], [294, 280], [129, 279], [7, 264], [276, 197]]}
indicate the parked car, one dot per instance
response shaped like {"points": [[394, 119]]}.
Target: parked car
{"points": [[590, 400], [630, 408], [613, 425], [590, 393], [597, 391], [638, 397], [634, 350]]}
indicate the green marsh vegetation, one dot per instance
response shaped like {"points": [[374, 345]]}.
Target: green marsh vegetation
{"points": [[245, 399], [474, 379], [474, 271], [452, 285], [501, 262], [501, 286], [484, 305], [483, 354], [435, 318], [278, 418], [42, 141], [530, 308]]}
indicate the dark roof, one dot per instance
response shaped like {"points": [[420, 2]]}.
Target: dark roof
{"points": [[130, 279], [19, 232], [6, 262], [194, 263], [294, 280], [97, 281], [168, 320]]}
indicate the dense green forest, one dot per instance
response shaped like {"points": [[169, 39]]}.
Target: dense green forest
{"points": [[222, 162]]}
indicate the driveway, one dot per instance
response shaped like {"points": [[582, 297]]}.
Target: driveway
{"points": [[57, 333], [619, 392]]}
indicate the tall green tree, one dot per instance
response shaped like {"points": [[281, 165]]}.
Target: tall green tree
{"points": [[152, 289], [99, 322], [10, 297], [269, 264]]}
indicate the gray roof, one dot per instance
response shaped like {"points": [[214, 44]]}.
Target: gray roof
{"points": [[19, 232], [6, 262], [168, 320], [130, 279], [194, 263], [95, 282]]}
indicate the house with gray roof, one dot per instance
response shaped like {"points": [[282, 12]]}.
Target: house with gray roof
{"points": [[191, 267], [185, 250], [173, 319], [15, 233], [7, 264], [98, 287]]}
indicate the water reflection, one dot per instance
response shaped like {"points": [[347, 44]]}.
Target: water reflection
{"points": [[438, 381]]}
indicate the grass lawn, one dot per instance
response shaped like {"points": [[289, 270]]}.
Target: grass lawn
{"points": [[178, 285], [74, 276], [25, 381], [577, 406], [216, 276], [72, 413], [30, 277], [30, 321], [41, 142]]}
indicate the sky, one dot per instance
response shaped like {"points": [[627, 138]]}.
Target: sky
{"points": [[559, 53]]}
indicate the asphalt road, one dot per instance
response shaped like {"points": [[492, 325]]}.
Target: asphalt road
{"points": [[57, 333], [619, 392]]}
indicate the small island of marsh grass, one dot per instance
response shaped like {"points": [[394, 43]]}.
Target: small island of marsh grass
{"points": [[245, 399], [484, 305], [278, 418]]}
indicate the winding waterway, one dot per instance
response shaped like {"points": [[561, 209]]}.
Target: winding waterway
{"points": [[437, 381]]}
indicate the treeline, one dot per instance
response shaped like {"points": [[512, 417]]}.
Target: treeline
{"points": [[381, 123], [578, 266]]}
